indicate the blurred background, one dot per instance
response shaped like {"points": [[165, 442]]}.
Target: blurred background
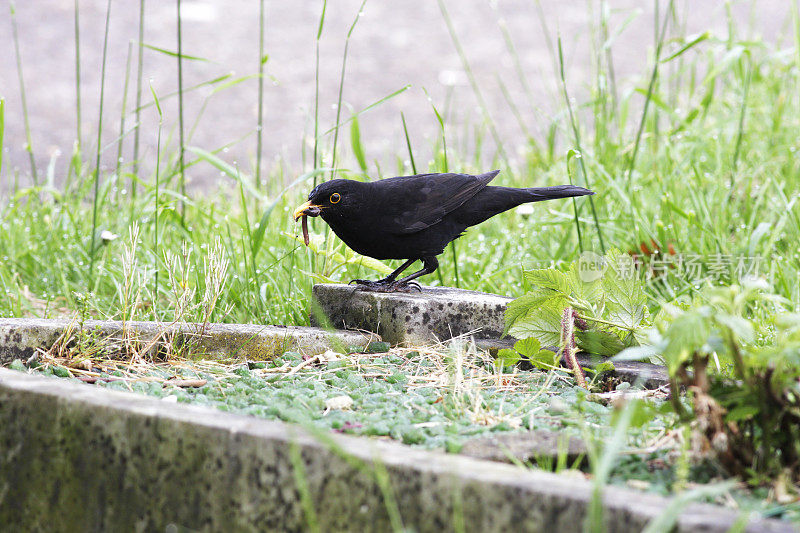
{"points": [[509, 45]]}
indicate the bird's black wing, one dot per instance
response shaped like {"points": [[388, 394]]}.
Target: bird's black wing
{"points": [[412, 203]]}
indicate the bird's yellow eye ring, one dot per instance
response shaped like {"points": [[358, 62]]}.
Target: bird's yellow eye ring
{"points": [[335, 197]]}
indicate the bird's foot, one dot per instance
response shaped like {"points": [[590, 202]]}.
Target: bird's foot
{"points": [[386, 286]]}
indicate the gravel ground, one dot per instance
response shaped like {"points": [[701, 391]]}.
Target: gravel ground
{"points": [[394, 44]]}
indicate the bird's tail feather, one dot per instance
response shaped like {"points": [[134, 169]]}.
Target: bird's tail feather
{"points": [[559, 191]]}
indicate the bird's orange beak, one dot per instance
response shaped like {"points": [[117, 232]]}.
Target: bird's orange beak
{"points": [[307, 208]]}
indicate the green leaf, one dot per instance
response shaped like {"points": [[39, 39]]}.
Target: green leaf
{"points": [[507, 358], [317, 246], [687, 334], [624, 294], [173, 54], [227, 169], [548, 278], [528, 347], [545, 359], [590, 292], [355, 142], [741, 412], [258, 234], [695, 40], [741, 327], [599, 342], [542, 322], [636, 353], [528, 304]]}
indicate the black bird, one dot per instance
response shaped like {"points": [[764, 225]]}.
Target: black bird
{"points": [[414, 217]]}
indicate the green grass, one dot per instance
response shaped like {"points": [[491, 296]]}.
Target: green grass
{"points": [[701, 155], [433, 398]]}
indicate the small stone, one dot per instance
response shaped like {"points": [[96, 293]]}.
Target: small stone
{"points": [[339, 402], [638, 484], [330, 356]]}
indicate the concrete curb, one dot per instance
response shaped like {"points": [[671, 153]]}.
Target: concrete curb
{"points": [[440, 313], [20, 338], [433, 315], [85, 458]]}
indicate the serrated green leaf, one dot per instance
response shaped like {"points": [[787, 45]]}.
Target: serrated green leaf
{"points": [[624, 294], [587, 291], [548, 278], [542, 322], [527, 347], [527, 304], [544, 359], [507, 358], [599, 342]]}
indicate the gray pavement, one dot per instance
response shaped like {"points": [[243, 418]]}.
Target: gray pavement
{"points": [[393, 44]]}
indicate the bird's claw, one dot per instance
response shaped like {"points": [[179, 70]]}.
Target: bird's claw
{"points": [[385, 286]]}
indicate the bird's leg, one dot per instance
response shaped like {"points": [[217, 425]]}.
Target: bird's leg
{"points": [[386, 284], [429, 265]]}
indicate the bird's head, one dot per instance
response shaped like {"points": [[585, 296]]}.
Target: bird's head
{"points": [[329, 198]]}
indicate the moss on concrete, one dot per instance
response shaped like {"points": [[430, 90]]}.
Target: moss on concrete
{"points": [[78, 458]]}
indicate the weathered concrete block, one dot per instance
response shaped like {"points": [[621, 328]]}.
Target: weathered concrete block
{"points": [[438, 314], [433, 315], [20, 338], [526, 446], [76, 457]]}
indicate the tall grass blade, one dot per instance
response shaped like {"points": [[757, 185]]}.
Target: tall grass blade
{"points": [[316, 89], [742, 112], [666, 521], [570, 155], [650, 87], [99, 146], [139, 74], [474, 83], [124, 109], [177, 54], [576, 133], [18, 56], [78, 118], [602, 465], [341, 84], [181, 169], [408, 144], [156, 198], [357, 145], [374, 104], [226, 168], [258, 235], [261, 60]]}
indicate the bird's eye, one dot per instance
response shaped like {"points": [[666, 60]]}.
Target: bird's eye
{"points": [[335, 197]]}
